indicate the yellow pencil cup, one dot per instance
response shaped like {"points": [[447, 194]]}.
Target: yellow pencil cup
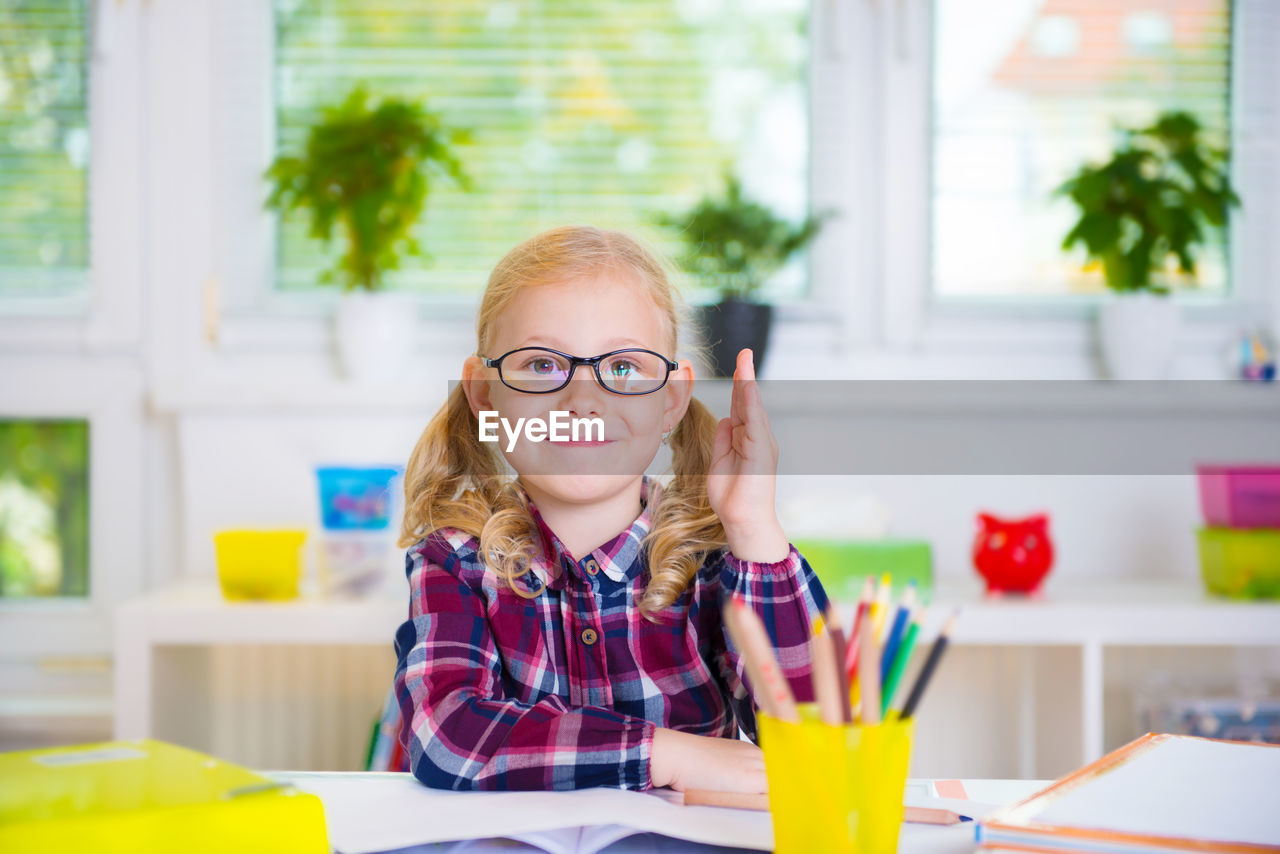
{"points": [[835, 788], [259, 564]]}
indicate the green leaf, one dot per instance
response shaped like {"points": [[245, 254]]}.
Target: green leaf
{"points": [[365, 167], [734, 243], [1157, 197]]}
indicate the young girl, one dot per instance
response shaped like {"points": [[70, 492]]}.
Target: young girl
{"points": [[565, 627]]}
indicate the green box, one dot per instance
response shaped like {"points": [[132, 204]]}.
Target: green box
{"points": [[1241, 563], [841, 565]]}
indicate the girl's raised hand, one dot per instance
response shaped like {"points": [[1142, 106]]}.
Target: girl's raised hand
{"points": [[743, 473]]}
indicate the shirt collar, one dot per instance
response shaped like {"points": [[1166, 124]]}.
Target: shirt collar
{"points": [[618, 558]]}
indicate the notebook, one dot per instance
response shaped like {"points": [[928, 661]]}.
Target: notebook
{"points": [[1160, 793], [149, 796]]}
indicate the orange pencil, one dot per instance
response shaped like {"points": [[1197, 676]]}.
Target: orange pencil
{"points": [[772, 693], [760, 802], [869, 674]]}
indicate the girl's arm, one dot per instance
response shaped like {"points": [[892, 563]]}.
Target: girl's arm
{"points": [[460, 729], [759, 565], [787, 596]]}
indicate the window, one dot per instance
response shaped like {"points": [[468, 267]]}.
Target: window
{"points": [[44, 148], [601, 111], [1022, 101], [44, 508]]}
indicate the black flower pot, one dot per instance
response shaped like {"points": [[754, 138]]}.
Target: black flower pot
{"points": [[731, 326]]}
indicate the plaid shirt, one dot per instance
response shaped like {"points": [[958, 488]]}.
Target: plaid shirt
{"points": [[565, 690]]}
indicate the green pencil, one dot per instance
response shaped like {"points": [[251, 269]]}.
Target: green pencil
{"points": [[899, 665]]}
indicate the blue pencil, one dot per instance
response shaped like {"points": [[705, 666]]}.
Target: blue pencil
{"points": [[896, 631]]}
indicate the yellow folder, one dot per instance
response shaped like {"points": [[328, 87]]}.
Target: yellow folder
{"points": [[149, 796]]}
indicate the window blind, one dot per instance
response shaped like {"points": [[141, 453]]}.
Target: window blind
{"points": [[1040, 88], [44, 147], [581, 111]]}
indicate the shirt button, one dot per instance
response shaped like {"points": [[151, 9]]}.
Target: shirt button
{"points": [[589, 636], [592, 566]]}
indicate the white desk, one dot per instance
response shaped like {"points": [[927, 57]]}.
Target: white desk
{"points": [[361, 809]]}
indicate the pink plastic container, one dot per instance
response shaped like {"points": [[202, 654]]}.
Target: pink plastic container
{"points": [[1240, 496]]}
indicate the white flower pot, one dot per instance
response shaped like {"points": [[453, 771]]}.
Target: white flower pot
{"points": [[1137, 333], [374, 333]]}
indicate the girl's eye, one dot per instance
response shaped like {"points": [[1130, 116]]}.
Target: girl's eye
{"points": [[621, 368], [540, 365]]}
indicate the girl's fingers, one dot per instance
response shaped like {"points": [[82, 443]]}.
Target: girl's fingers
{"points": [[737, 407], [757, 419], [723, 441], [757, 456]]}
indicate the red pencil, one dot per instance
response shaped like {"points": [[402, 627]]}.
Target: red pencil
{"points": [[851, 652]]}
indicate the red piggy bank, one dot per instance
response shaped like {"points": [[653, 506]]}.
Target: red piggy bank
{"points": [[1013, 556]]}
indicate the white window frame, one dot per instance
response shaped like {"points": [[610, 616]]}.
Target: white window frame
{"points": [[869, 313], [108, 317], [79, 358], [914, 319], [107, 392]]}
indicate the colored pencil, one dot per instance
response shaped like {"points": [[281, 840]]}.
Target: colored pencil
{"points": [[895, 631], [733, 626], [851, 651], [880, 605], [905, 649], [826, 680], [932, 815], [838, 646], [869, 674], [752, 640], [930, 665], [736, 800], [760, 802]]}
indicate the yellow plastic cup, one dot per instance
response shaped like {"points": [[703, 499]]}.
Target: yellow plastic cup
{"points": [[835, 788], [259, 564]]}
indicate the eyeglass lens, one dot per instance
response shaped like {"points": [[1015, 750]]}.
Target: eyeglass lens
{"points": [[627, 372]]}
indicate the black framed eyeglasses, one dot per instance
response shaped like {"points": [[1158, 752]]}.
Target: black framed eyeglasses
{"points": [[541, 370]]}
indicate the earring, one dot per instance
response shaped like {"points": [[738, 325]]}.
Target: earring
{"points": [[666, 434]]}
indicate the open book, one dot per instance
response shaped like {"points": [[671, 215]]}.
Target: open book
{"points": [[376, 812]]}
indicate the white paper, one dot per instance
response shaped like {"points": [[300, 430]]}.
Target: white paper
{"points": [[1182, 788], [377, 812]]}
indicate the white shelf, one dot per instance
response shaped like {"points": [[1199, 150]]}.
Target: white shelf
{"points": [[1077, 622], [1136, 613], [198, 614], [1156, 613]]}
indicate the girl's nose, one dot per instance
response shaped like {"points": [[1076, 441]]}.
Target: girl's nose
{"points": [[583, 397]]}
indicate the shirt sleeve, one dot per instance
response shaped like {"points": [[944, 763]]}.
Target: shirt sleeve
{"points": [[461, 730], [787, 596]]}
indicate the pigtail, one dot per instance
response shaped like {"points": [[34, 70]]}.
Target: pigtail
{"points": [[684, 528], [453, 480]]}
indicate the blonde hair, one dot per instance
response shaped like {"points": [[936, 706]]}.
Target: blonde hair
{"points": [[454, 480]]}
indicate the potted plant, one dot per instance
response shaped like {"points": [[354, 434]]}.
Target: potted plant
{"points": [[734, 244], [1163, 190], [364, 168]]}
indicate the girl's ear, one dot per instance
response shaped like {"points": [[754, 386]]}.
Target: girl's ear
{"points": [[475, 385], [679, 389]]}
